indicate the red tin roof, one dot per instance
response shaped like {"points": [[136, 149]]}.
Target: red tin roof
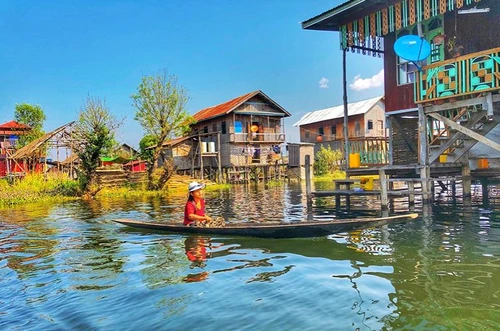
{"points": [[228, 106], [13, 125]]}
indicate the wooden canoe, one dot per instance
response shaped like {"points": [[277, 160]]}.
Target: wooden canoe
{"points": [[289, 230]]}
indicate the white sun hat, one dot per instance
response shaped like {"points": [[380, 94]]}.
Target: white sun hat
{"points": [[195, 186]]}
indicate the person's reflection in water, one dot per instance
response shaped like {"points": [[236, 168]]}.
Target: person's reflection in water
{"points": [[196, 252]]}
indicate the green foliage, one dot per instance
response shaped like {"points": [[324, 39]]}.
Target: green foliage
{"points": [[37, 187], [161, 111], [32, 116], [327, 161], [147, 154], [94, 132], [329, 177]]}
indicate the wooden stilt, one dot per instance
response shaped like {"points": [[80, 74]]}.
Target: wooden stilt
{"points": [[384, 199], [466, 181], [484, 186], [411, 195]]}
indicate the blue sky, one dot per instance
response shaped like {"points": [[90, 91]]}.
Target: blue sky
{"points": [[56, 53]]}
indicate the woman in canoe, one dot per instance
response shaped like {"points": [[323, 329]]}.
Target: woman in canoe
{"points": [[194, 211]]}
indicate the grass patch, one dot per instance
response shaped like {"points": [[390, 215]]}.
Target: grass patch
{"points": [[37, 187], [329, 177]]}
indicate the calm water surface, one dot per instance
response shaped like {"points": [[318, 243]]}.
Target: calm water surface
{"points": [[69, 267]]}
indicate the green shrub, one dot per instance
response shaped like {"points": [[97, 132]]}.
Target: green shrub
{"points": [[327, 161]]}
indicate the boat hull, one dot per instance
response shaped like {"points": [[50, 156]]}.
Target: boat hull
{"points": [[291, 230]]}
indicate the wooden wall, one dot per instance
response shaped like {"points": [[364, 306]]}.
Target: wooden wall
{"points": [[396, 97], [402, 153]]}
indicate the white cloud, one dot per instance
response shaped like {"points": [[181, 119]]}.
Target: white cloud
{"points": [[323, 82], [359, 83]]}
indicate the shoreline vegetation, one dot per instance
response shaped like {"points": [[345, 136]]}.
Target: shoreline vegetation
{"points": [[58, 187]]}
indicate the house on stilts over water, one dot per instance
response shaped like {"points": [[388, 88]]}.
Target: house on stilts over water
{"points": [[238, 140], [442, 77]]}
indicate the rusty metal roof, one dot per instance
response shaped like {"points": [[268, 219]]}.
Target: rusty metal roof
{"points": [[228, 106], [13, 125]]}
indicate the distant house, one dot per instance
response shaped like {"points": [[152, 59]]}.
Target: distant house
{"points": [[129, 150], [10, 132], [365, 119], [365, 128], [9, 135], [247, 130]]}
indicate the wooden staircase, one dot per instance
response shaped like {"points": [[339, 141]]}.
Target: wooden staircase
{"points": [[454, 131]]}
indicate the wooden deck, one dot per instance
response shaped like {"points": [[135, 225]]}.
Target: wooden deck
{"points": [[444, 176]]}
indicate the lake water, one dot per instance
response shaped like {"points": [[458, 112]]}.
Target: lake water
{"points": [[69, 267]]}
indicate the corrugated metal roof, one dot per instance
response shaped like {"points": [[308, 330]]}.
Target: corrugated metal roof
{"points": [[355, 108], [14, 125], [228, 106], [330, 20]]}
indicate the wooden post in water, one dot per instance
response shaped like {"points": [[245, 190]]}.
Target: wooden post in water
{"points": [[411, 196], [308, 187], [384, 198], [484, 186], [308, 175], [466, 181], [423, 154]]}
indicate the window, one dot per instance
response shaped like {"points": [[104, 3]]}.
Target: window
{"points": [[238, 127], [205, 129], [321, 131], [333, 130], [214, 127], [306, 134], [381, 126], [430, 28], [370, 125], [406, 71], [357, 128], [223, 128]]}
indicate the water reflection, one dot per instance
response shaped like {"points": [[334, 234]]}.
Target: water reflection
{"points": [[440, 271], [196, 252]]}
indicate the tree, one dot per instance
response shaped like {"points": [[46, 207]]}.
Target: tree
{"points": [[32, 116], [161, 111], [327, 160], [94, 137], [145, 145]]}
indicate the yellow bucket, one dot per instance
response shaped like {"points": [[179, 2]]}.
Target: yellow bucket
{"points": [[366, 183], [442, 158], [354, 160]]}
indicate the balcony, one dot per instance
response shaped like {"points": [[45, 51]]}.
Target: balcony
{"points": [[460, 76], [273, 138]]}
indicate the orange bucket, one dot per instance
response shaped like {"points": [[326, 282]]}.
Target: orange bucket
{"points": [[482, 163]]}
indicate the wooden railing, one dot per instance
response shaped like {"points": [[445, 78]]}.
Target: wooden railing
{"points": [[471, 73], [257, 137], [372, 151]]}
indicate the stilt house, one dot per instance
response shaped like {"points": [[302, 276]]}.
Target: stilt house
{"points": [[9, 135], [245, 131], [441, 110], [365, 129]]}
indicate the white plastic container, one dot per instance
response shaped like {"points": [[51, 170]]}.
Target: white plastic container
{"points": [[211, 147]]}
